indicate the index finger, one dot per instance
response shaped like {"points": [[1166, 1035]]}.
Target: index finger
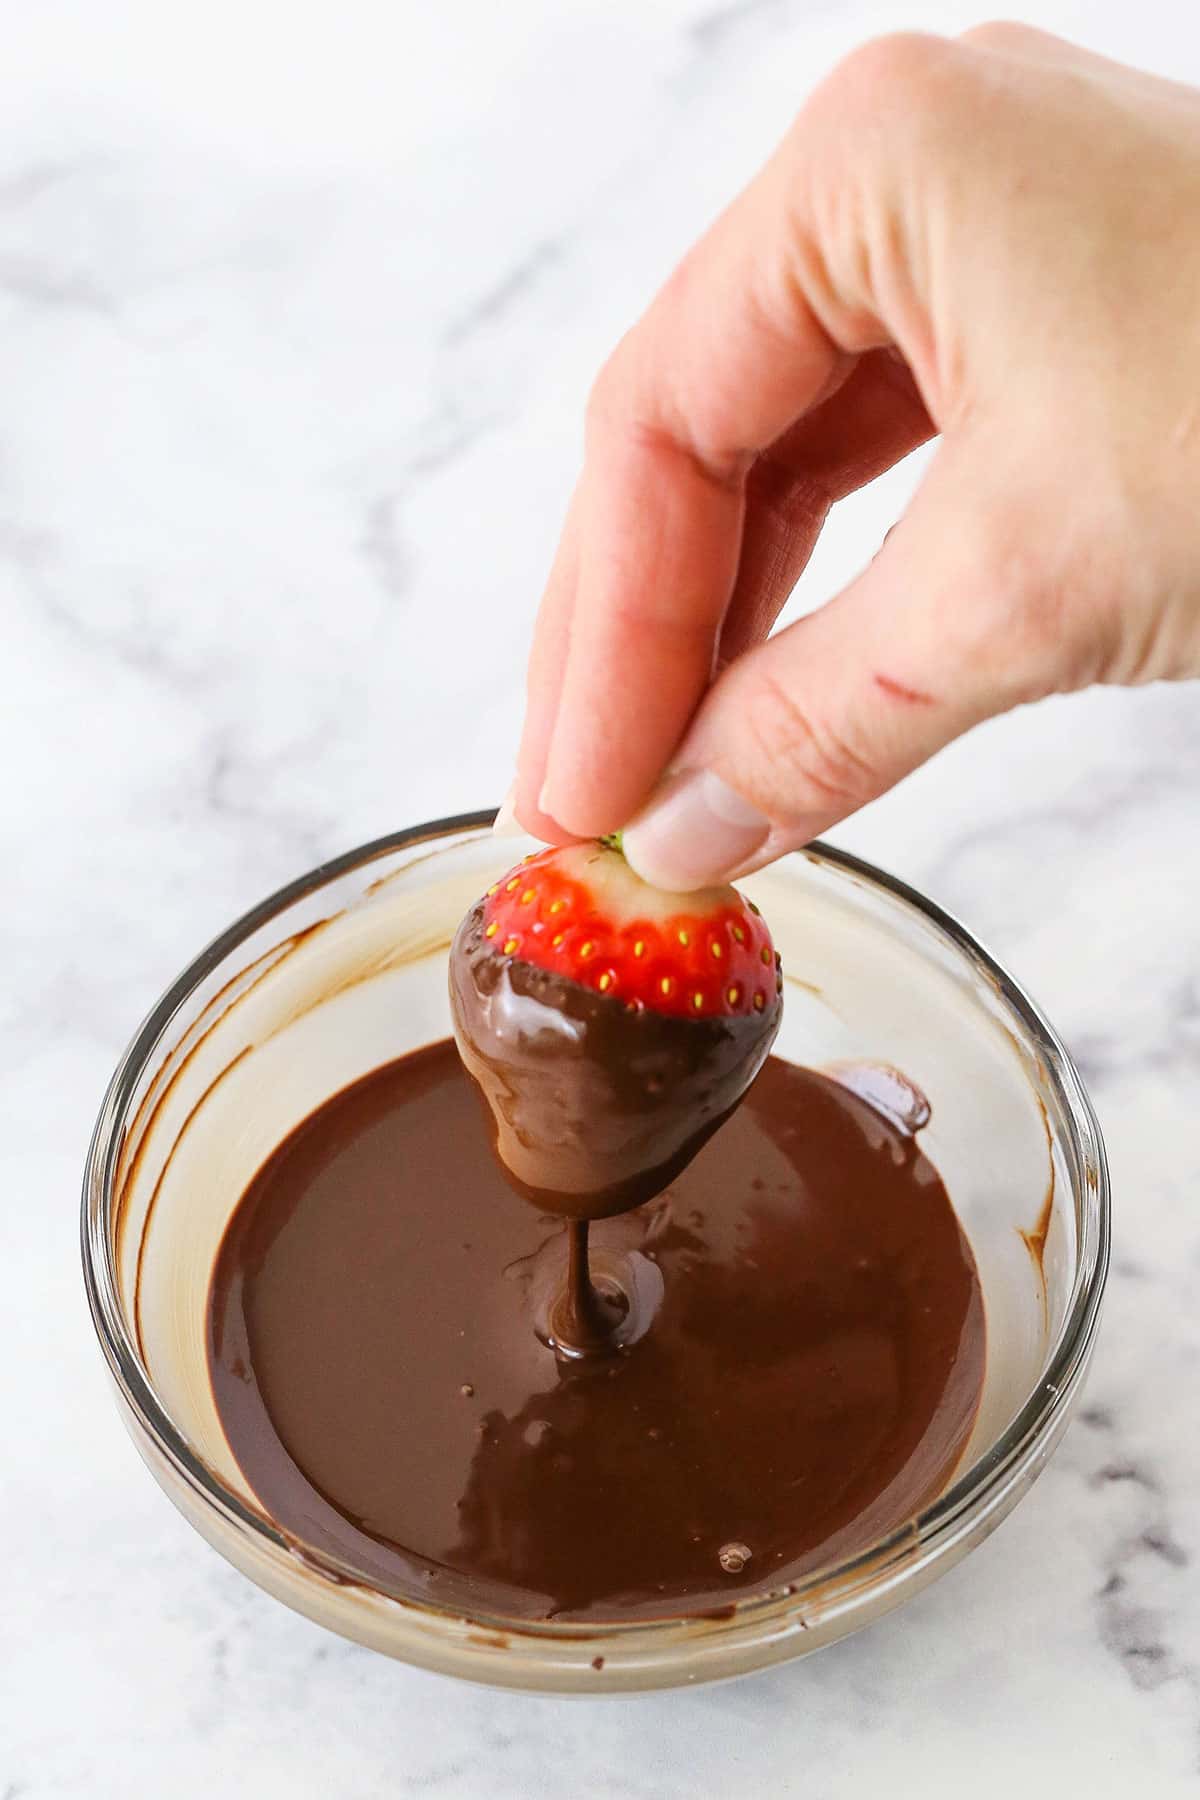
{"points": [[727, 356]]}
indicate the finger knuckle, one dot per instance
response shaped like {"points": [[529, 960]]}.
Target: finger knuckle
{"points": [[1045, 619], [1004, 35], [609, 397], [901, 106], [892, 74], [807, 750]]}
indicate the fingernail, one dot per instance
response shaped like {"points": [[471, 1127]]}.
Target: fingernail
{"points": [[694, 831], [506, 823]]}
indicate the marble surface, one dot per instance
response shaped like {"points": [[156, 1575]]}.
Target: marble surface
{"points": [[298, 307]]}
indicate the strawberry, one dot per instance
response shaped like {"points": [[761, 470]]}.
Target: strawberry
{"points": [[611, 1027], [582, 913]]}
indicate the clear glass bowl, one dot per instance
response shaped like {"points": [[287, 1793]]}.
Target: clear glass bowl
{"points": [[344, 970]]}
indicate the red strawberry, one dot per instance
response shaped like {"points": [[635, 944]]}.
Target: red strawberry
{"points": [[611, 1027], [584, 914]]}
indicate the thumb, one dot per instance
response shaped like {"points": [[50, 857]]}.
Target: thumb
{"points": [[951, 623]]}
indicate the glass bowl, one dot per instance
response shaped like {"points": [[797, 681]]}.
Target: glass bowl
{"points": [[345, 969]]}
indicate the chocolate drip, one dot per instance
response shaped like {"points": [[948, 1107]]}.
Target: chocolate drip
{"points": [[585, 1318]]}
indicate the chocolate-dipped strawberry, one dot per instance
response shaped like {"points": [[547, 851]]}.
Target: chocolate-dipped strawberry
{"points": [[611, 1027]]}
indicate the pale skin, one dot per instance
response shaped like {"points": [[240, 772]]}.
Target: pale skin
{"points": [[994, 240]]}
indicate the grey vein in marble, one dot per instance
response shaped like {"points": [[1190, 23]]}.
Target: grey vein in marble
{"points": [[506, 293]]}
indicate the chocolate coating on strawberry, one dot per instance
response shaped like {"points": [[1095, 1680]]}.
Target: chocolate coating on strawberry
{"points": [[610, 1027]]}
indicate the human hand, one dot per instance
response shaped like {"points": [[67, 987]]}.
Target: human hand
{"points": [[996, 239]]}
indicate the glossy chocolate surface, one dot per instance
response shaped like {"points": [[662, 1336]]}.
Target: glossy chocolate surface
{"points": [[796, 1366]]}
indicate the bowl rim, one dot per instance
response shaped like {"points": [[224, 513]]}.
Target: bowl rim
{"points": [[978, 1497]]}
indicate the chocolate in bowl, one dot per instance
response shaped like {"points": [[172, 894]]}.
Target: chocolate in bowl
{"points": [[344, 971]]}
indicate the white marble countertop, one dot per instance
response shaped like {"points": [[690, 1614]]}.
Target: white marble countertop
{"points": [[298, 307]]}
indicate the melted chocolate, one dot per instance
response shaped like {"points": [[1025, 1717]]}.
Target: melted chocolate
{"points": [[594, 1108], [585, 1319], [799, 1355]]}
